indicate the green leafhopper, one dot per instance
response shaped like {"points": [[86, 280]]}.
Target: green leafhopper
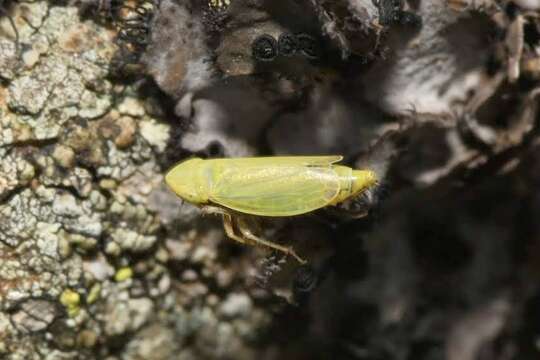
{"points": [[266, 186]]}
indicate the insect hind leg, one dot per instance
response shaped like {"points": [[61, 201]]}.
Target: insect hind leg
{"points": [[248, 234], [227, 222], [248, 237], [229, 229], [214, 210]]}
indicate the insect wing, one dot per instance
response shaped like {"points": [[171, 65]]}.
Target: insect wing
{"points": [[245, 163], [275, 189]]}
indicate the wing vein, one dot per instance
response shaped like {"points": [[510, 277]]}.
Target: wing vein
{"points": [[276, 190]]}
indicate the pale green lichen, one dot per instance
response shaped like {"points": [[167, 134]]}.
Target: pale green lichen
{"points": [[18, 173], [132, 240], [61, 80], [93, 294], [126, 315], [77, 170], [155, 134]]}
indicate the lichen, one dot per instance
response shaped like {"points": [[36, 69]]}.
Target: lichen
{"points": [[80, 164], [99, 260], [123, 274], [72, 301]]}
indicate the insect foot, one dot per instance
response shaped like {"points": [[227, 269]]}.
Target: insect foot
{"points": [[290, 251]]}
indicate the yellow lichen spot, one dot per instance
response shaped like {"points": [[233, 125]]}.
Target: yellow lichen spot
{"points": [[123, 274], [94, 293], [72, 301]]}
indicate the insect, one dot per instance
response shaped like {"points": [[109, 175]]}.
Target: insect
{"points": [[266, 186]]}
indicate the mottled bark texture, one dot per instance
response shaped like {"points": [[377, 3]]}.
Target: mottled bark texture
{"points": [[98, 260]]}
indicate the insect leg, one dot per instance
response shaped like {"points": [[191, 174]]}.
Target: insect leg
{"points": [[227, 221], [229, 230], [214, 210], [248, 234]]}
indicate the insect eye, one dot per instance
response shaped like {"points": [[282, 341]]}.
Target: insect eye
{"points": [[308, 46], [264, 48], [287, 44]]}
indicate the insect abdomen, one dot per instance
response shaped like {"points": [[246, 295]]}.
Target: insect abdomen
{"points": [[352, 182]]}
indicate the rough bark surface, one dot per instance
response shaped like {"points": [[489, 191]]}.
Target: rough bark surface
{"points": [[98, 260]]}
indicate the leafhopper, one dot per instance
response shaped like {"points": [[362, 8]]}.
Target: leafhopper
{"points": [[266, 186]]}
